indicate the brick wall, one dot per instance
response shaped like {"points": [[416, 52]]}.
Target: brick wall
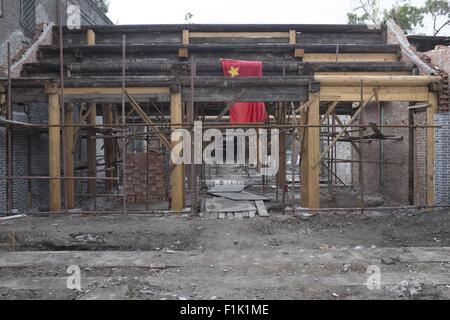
{"points": [[46, 11], [442, 169], [136, 187], [391, 176], [420, 183]]}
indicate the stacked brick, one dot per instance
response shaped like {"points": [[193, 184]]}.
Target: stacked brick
{"points": [[136, 187]]}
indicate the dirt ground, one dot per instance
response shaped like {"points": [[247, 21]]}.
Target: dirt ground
{"points": [[282, 257]]}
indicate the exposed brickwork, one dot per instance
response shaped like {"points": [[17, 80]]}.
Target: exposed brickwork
{"points": [[136, 187], [420, 183], [442, 169], [391, 177]]}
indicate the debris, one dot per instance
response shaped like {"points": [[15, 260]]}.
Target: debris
{"points": [[262, 211], [19, 216], [227, 189], [242, 196]]}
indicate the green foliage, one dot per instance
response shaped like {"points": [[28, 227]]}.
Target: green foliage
{"points": [[406, 16], [103, 5], [438, 9], [403, 13]]}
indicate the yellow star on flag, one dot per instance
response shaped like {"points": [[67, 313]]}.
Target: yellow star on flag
{"points": [[234, 72]]}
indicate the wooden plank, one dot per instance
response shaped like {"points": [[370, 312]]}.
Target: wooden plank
{"points": [[344, 130], [350, 57], [431, 153], [148, 120], [90, 37], [248, 35], [355, 74], [69, 156], [178, 188], [292, 37], [185, 37], [262, 210], [118, 91], [310, 174], [329, 112], [385, 94], [54, 148], [377, 81]]}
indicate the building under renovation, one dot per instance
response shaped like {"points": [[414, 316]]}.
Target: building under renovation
{"points": [[88, 116]]}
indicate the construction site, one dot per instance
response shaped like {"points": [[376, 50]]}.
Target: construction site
{"points": [[355, 123]]}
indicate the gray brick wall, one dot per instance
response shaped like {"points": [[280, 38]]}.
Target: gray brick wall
{"points": [[46, 11], [442, 169]]}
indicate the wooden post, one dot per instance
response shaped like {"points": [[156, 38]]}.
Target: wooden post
{"points": [[110, 161], [281, 175], [431, 140], [310, 173], [92, 151], [69, 157], [54, 149], [176, 112], [92, 141]]}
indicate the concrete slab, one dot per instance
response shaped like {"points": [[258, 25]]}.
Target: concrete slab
{"points": [[224, 205]]}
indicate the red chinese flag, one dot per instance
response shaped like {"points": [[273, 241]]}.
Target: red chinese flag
{"points": [[245, 112]]}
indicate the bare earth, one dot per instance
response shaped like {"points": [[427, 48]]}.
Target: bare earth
{"points": [[281, 257]]}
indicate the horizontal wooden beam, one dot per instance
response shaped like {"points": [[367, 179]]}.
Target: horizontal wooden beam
{"points": [[249, 35], [350, 57], [386, 94], [386, 81], [108, 91]]}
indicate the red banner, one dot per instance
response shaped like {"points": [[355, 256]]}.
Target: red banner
{"points": [[245, 112]]}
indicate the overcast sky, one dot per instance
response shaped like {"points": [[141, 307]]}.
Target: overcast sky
{"points": [[236, 11]]}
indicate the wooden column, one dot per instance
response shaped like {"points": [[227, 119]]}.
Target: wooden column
{"points": [[92, 141], [54, 148], [431, 151], [176, 112], [92, 151], [281, 175], [69, 157], [310, 173], [110, 160]]}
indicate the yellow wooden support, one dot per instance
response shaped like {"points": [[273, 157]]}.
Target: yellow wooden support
{"points": [[310, 174], [176, 112], [54, 148]]}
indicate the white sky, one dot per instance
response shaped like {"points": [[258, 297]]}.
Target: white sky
{"points": [[237, 11]]}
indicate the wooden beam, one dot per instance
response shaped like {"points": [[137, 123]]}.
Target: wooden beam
{"points": [[350, 57], [344, 130], [292, 36], [431, 151], [329, 112], [359, 73], [90, 37], [310, 174], [108, 90], [377, 81], [148, 120], [385, 94], [54, 148], [186, 36], [176, 112], [69, 156], [248, 35]]}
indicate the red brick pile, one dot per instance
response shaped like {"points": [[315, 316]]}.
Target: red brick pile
{"points": [[136, 187]]}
